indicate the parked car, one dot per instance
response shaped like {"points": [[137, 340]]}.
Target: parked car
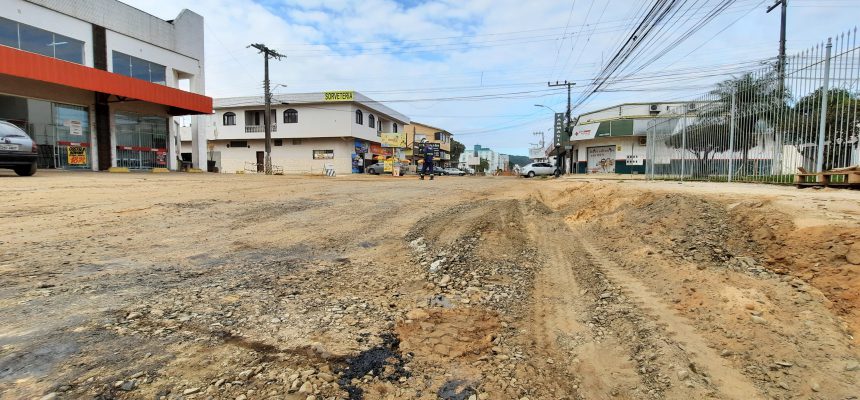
{"points": [[376, 169], [453, 171], [17, 151], [538, 168]]}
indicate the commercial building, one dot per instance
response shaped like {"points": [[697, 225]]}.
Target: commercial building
{"points": [[97, 82], [495, 161], [309, 130], [614, 139], [417, 133]]}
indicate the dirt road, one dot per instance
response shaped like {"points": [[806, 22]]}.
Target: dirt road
{"points": [[253, 287]]}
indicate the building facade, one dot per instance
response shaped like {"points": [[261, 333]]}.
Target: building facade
{"points": [[470, 159], [614, 139], [97, 82], [308, 132], [417, 133]]}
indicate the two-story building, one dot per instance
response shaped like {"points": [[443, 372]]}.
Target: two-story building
{"points": [[96, 83], [309, 130], [417, 133]]}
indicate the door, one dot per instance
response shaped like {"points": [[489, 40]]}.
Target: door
{"points": [[261, 159]]}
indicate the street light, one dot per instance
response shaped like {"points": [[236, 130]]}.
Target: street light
{"points": [[541, 105]]}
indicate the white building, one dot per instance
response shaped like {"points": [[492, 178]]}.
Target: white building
{"points": [[471, 158], [97, 82], [308, 132], [613, 139]]}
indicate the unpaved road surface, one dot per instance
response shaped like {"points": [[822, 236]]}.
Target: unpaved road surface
{"points": [[199, 286]]}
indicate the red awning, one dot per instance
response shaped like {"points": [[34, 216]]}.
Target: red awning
{"points": [[22, 64]]}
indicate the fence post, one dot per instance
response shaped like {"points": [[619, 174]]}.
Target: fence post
{"points": [[684, 144], [732, 133], [822, 118]]}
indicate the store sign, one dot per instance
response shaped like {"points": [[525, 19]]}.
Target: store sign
{"points": [[393, 139], [77, 155], [421, 148], [344, 95], [633, 159], [536, 152], [558, 129], [388, 165], [360, 147], [584, 132]]}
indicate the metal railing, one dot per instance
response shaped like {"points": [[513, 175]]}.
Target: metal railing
{"points": [[766, 125], [259, 128]]}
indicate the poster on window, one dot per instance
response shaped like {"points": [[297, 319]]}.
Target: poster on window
{"points": [[76, 128], [601, 159], [77, 155]]}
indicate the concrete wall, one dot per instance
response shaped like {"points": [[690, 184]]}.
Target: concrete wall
{"points": [[293, 158], [624, 146]]}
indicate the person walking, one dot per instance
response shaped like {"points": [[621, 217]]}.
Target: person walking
{"points": [[428, 162]]}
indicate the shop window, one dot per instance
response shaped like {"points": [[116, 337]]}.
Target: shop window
{"points": [[291, 116], [359, 117], [238, 143], [9, 33], [36, 40], [323, 154], [371, 121], [279, 142], [138, 68], [395, 127], [229, 118]]}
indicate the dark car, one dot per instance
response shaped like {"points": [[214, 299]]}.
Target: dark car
{"points": [[17, 151]]}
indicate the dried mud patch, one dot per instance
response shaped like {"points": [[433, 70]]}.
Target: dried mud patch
{"points": [[446, 334]]}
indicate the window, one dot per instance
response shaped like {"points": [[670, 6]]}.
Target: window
{"points": [[39, 41], [229, 118], [138, 68], [297, 142], [359, 117], [395, 127], [291, 116], [279, 142], [371, 121], [238, 143], [323, 154]]}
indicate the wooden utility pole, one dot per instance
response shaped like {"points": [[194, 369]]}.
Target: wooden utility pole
{"points": [[267, 53], [781, 62]]}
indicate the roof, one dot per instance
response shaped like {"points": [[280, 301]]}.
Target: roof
{"points": [[642, 104], [428, 126], [309, 98]]}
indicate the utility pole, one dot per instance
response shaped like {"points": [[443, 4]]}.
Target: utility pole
{"points": [[267, 53], [567, 127], [781, 62]]}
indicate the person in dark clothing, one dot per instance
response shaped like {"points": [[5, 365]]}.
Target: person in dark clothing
{"points": [[428, 162]]}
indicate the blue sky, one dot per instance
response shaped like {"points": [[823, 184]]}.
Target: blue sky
{"points": [[423, 57]]}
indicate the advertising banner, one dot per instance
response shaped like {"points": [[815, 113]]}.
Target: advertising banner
{"points": [[376, 148], [419, 148], [584, 132], [77, 155], [536, 152], [343, 95], [388, 165], [393, 139], [601, 159]]}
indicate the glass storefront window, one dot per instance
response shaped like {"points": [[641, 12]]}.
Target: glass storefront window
{"points": [[141, 141], [37, 40], [121, 63], [158, 73], [140, 69]]}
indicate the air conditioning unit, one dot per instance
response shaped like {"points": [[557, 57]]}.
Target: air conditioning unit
{"points": [[691, 107], [654, 108], [643, 140]]}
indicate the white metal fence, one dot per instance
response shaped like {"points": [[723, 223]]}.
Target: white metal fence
{"points": [[766, 125]]}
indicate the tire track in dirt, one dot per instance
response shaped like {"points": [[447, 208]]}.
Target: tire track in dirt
{"points": [[726, 381]]}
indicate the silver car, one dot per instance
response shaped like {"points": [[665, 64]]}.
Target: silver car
{"points": [[538, 169], [17, 151], [453, 171]]}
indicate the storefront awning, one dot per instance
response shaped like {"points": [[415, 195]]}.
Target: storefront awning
{"points": [[22, 64]]}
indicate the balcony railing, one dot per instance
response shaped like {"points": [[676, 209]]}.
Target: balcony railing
{"points": [[259, 128]]}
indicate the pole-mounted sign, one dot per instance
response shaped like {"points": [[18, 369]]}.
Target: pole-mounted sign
{"points": [[558, 130]]}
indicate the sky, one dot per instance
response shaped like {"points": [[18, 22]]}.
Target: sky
{"points": [[477, 68]]}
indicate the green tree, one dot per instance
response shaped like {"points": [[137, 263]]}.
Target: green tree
{"points": [[843, 127], [457, 149], [483, 166]]}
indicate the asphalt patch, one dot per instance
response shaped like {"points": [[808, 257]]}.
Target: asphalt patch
{"points": [[384, 361]]}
